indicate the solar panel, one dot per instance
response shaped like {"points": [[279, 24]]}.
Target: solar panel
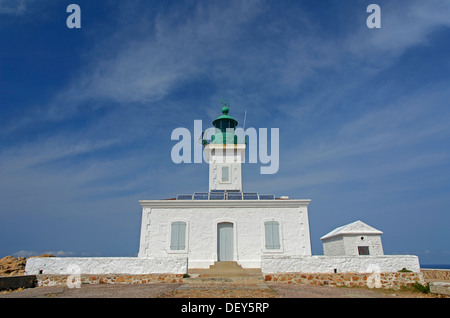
{"points": [[220, 195], [184, 197], [250, 196], [266, 197], [217, 196], [234, 196], [201, 196]]}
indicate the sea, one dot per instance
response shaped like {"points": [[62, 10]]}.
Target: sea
{"points": [[435, 266]]}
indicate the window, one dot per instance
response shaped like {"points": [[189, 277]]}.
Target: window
{"points": [[272, 235], [178, 236], [363, 250], [225, 174]]}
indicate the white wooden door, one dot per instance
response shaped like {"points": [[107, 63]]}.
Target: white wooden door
{"points": [[225, 241]]}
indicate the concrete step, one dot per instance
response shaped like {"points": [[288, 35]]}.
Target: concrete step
{"points": [[227, 272], [251, 280], [229, 269], [225, 265], [442, 288]]}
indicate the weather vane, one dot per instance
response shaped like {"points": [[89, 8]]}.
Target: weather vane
{"points": [[225, 102]]}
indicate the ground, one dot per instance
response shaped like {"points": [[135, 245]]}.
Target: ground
{"points": [[266, 290]]}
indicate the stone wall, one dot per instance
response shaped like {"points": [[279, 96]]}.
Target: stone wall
{"points": [[15, 282], [339, 264], [436, 274], [73, 280], [106, 265], [371, 280]]}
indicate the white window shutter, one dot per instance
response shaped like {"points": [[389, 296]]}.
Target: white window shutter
{"points": [[178, 236], [272, 235]]}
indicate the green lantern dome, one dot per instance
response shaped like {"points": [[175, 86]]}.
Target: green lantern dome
{"points": [[223, 122]]}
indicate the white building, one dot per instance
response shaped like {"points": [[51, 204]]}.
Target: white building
{"points": [[225, 223], [356, 238]]}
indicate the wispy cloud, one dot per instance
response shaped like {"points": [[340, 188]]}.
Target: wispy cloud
{"points": [[409, 24], [16, 7], [33, 253], [214, 42], [380, 143], [179, 47]]}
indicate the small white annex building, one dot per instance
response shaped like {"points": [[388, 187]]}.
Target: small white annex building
{"points": [[226, 223], [356, 238]]}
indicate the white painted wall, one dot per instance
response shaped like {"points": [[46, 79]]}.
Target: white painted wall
{"points": [[105, 265], [348, 244], [202, 217], [230, 156], [334, 246], [351, 243], [350, 264]]}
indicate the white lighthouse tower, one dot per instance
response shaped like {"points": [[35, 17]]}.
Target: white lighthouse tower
{"points": [[225, 155]]}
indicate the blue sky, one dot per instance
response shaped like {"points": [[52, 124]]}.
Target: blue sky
{"points": [[86, 115]]}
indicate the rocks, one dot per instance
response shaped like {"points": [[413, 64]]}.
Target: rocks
{"points": [[11, 266]]}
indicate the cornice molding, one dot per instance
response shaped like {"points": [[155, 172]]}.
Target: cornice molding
{"points": [[179, 204]]}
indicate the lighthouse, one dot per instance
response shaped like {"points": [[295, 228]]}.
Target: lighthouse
{"points": [[226, 223]]}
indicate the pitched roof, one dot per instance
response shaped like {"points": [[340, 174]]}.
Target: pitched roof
{"points": [[356, 227]]}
